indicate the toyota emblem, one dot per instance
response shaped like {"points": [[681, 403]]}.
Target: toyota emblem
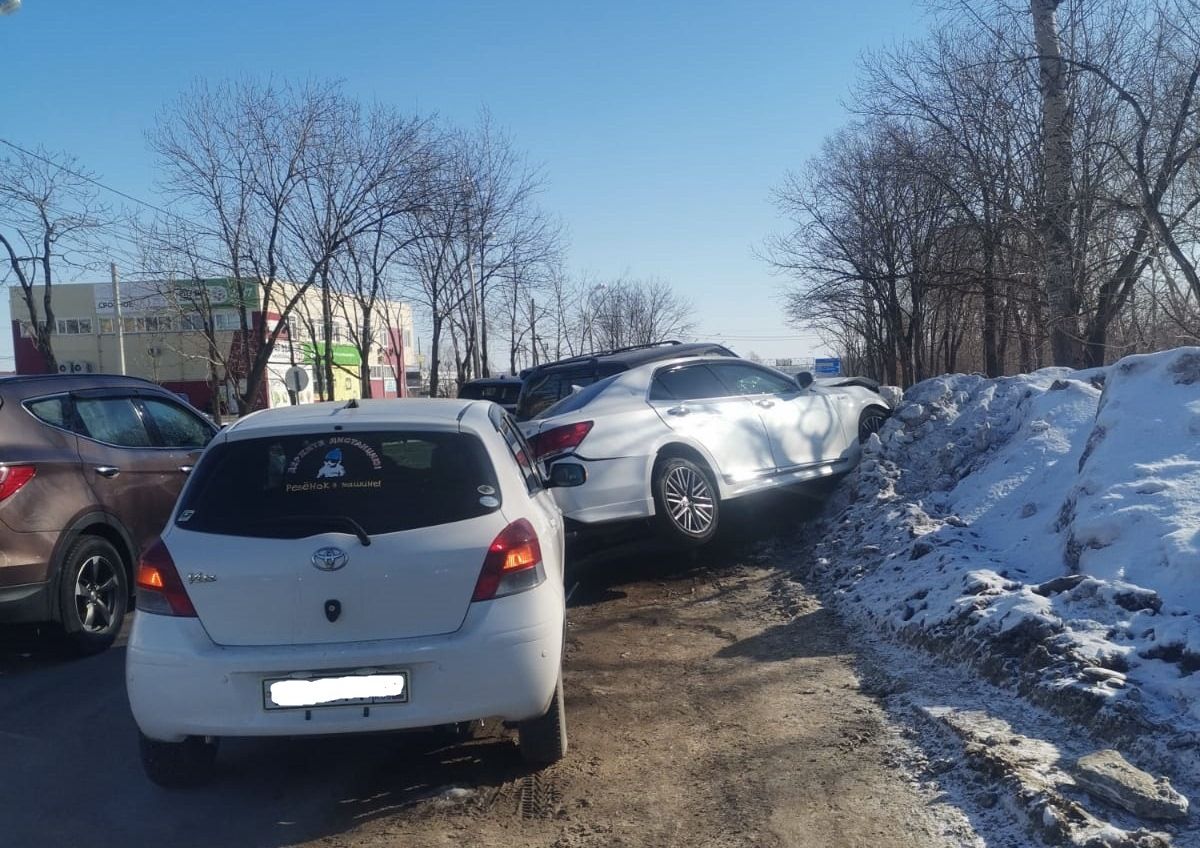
{"points": [[330, 559]]}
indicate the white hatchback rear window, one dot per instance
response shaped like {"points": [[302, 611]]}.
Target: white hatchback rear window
{"points": [[299, 485]]}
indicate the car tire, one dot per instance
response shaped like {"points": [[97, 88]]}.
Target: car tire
{"points": [[543, 740], [93, 595], [869, 422], [686, 501], [178, 765]]}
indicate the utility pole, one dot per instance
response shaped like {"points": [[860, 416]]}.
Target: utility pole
{"points": [[533, 330], [118, 321]]}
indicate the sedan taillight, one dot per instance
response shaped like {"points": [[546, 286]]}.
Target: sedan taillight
{"points": [[513, 563], [559, 439], [13, 478], [159, 589]]}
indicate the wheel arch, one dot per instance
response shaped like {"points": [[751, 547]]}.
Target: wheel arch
{"points": [[683, 449], [106, 527]]}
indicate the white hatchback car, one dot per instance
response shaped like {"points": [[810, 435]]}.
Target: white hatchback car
{"points": [[672, 440], [349, 568]]}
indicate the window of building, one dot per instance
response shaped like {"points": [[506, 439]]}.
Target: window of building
{"points": [[74, 326], [227, 321]]}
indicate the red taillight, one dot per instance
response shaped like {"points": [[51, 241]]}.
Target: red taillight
{"points": [[159, 589], [560, 439], [13, 477], [513, 563]]}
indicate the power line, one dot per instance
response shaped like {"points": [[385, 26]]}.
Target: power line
{"points": [[113, 233], [96, 182]]}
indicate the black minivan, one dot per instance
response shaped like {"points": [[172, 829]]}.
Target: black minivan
{"points": [[502, 391]]}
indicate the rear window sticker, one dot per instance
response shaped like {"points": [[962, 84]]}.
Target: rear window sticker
{"points": [[186, 515], [338, 453], [368, 451], [489, 502], [332, 466], [486, 490]]}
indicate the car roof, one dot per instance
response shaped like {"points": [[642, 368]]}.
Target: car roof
{"points": [[431, 413], [639, 355], [504, 379], [29, 385]]}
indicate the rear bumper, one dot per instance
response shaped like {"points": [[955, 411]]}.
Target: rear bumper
{"points": [[26, 593], [503, 663], [28, 604], [616, 490]]}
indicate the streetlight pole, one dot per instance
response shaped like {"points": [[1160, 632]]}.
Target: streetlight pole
{"points": [[119, 323]]}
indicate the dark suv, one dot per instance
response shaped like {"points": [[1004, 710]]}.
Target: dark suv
{"points": [[90, 467], [548, 384]]}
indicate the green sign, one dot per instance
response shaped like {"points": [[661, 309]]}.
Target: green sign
{"points": [[343, 354]]}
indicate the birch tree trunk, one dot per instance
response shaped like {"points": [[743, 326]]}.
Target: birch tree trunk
{"points": [[1057, 131]]}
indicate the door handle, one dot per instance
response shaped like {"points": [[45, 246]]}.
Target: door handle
{"points": [[765, 404], [186, 469], [108, 471], [678, 410]]}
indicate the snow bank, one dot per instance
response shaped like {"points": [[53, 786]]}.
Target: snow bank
{"points": [[1047, 525]]}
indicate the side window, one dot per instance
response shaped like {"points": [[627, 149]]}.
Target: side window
{"points": [[177, 428], [745, 379], [687, 382], [522, 454], [113, 420], [55, 411]]}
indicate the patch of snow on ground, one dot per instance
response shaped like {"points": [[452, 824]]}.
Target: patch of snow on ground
{"points": [[1054, 517]]}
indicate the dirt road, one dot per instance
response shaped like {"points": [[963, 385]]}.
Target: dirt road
{"points": [[706, 707]]}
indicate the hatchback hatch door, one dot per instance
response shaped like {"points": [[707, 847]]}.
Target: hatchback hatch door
{"points": [[256, 591]]}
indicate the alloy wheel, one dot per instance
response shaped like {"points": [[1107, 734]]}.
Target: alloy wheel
{"points": [[96, 588], [689, 500], [870, 423]]}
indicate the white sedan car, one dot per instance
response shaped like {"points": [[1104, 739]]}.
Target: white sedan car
{"points": [[673, 440], [349, 568]]}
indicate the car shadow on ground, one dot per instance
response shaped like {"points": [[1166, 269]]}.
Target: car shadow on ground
{"points": [[810, 634], [597, 570]]}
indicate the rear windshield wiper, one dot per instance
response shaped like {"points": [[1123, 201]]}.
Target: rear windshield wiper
{"points": [[342, 520]]}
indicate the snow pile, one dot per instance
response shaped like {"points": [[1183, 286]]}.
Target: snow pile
{"points": [[1045, 527]]}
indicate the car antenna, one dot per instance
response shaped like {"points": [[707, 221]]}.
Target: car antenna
{"points": [[351, 404]]}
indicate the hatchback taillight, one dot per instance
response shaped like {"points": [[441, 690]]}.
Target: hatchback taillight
{"points": [[159, 589], [513, 563], [13, 477], [559, 439]]}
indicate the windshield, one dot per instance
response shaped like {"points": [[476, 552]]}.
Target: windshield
{"points": [[501, 393], [382, 481]]}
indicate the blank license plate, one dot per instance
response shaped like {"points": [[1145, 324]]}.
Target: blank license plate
{"points": [[336, 691]]}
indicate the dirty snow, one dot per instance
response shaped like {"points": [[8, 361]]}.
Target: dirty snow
{"points": [[1046, 526]]}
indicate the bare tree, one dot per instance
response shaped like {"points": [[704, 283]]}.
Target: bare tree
{"points": [[1057, 149], [636, 312], [271, 183], [50, 219]]}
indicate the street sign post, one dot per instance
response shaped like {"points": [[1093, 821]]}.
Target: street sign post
{"points": [[296, 379]]}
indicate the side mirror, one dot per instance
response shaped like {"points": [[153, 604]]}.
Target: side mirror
{"points": [[566, 475], [804, 379]]}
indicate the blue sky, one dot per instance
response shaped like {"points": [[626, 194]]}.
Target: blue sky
{"points": [[661, 126]]}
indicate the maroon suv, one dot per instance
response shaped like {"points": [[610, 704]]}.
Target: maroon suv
{"points": [[90, 467]]}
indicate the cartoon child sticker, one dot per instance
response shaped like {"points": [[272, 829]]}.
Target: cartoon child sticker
{"points": [[332, 467]]}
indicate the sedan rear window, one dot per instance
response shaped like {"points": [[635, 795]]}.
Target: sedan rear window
{"points": [[541, 391], [300, 485]]}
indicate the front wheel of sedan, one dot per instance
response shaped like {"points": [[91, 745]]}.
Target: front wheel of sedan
{"points": [[94, 595], [870, 421], [177, 765], [686, 501]]}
